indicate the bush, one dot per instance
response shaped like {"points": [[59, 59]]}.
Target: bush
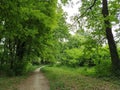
{"points": [[103, 69]]}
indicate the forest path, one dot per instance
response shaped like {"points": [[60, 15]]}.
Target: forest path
{"points": [[36, 81]]}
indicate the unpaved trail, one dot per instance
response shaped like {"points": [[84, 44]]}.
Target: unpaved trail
{"points": [[36, 81]]}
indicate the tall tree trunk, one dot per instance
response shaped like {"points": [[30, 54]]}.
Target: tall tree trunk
{"points": [[109, 35]]}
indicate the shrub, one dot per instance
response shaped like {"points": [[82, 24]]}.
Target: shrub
{"points": [[103, 69]]}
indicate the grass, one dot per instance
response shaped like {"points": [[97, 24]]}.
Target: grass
{"points": [[64, 78], [9, 83]]}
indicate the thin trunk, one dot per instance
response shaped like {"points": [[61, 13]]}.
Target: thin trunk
{"points": [[109, 35], [11, 54], [20, 49]]}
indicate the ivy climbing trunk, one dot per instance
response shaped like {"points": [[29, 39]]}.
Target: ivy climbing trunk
{"points": [[109, 35]]}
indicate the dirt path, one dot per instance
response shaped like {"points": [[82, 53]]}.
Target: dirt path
{"points": [[36, 81]]}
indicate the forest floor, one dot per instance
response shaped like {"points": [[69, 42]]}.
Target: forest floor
{"points": [[36, 81], [59, 78]]}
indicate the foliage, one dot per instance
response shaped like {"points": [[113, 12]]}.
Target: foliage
{"points": [[104, 69], [36, 32], [79, 50], [101, 25], [26, 30]]}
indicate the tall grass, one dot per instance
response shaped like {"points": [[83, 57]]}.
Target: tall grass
{"points": [[64, 78]]}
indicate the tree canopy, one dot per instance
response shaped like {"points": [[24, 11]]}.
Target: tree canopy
{"points": [[36, 31]]}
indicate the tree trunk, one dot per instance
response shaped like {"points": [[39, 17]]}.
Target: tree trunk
{"points": [[109, 35], [20, 50], [10, 54]]}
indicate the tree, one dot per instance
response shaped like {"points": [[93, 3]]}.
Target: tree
{"points": [[101, 25], [27, 29], [109, 35], [60, 34]]}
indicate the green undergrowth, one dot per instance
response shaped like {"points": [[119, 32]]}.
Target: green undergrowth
{"points": [[64, 78], [9, 83], [32, 68]]}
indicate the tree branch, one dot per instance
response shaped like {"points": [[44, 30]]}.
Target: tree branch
{"points": [[77, 18], [89, 7]]}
